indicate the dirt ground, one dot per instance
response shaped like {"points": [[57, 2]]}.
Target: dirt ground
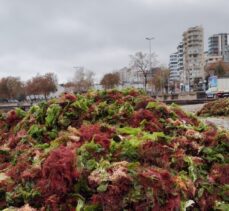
{"points": [[219, 121]]}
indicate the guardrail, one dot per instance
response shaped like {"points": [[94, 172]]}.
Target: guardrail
{"points": [[188, 102], [7, 107]]}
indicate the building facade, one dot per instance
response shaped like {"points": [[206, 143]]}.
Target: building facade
{"points": [[176, 64], [217, 44], [193, 55], [180, 66], [174, 74], [211, 59], [218, 49], [130, 78], [226, 54]]}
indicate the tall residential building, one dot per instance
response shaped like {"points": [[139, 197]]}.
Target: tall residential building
{"points": [[176, 64], [218, 48], [173, 67], [217, 44], [193, 41], [226, 54], [180, 65]]}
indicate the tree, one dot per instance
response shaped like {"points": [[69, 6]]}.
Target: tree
{"points": [[83, 80], [12, 88], [219, 69], [33, 86], [197, 84], [48, 84], [110, 80], [160, 79], [4, 90], [42, 85], [141, 63], [69, 86]]}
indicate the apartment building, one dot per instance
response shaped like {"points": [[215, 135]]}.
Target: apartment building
{"points": [[226, 54], [217, 44], [130, 78], [218, 49], [180, 65], [174, 74], [193, 55], [176, 64]]}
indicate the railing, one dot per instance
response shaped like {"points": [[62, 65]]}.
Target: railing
{"points": [[10, 106]]}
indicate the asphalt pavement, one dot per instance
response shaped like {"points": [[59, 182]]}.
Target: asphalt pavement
{"points": [[219, 121]]}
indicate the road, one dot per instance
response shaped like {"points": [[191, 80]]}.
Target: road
{"points": [[192, 108], [219, 121]]}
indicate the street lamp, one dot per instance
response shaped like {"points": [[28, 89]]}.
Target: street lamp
{"points": [[149, 39], [150, 64]]}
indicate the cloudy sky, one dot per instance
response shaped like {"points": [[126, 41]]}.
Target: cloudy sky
{"points": [[39, 36]]}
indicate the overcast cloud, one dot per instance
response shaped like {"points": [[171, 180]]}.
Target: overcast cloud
{"points": [[39, 36]]}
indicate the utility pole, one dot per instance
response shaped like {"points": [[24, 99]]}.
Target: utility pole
{"points": [[150, 63]]}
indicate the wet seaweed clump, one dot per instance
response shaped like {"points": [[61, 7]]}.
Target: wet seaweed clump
{"points": [[111, 150]]}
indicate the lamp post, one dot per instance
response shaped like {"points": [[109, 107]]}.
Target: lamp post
{"points": [[150, 64], [149, 39]]}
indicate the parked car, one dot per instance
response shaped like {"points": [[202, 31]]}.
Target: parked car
{"points": [[2, 100], [12, 101]]}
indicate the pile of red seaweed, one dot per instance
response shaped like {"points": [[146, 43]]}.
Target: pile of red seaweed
{"points": [[218, 107], [111, 150]]}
